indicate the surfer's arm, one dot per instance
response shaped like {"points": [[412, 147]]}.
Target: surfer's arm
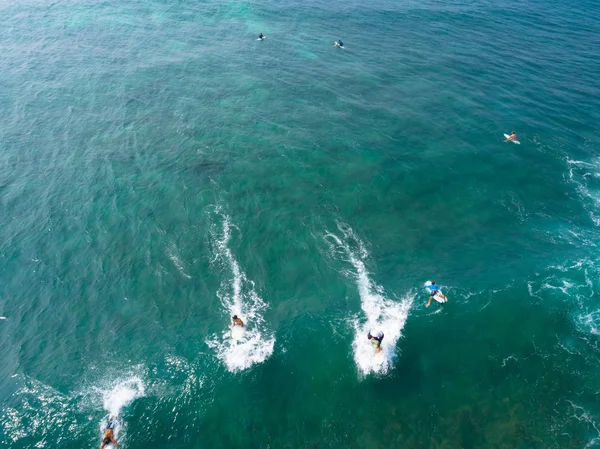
{"points": [[429, 302]]}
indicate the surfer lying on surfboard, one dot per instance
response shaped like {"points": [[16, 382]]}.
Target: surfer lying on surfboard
{"points": [[433, 291], [236, 321], [376, 340], [513, 137], [109, 436]]}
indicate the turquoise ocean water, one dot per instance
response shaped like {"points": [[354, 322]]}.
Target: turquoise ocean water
{"points": [[161, 169]]}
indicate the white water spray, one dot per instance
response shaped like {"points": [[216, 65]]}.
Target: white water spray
{"points": [[115, 399], [121, 395], [379, 312], [239, 349]]}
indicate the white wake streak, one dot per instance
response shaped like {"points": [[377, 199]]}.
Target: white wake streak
{"points": [[238, 297], [380, 313]]}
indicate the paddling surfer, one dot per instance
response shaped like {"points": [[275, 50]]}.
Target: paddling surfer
{"points": [[235, 321], [109, 435], [434, 290], [376, 340]]}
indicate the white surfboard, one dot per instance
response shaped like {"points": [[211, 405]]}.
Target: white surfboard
{"points": [[338, 45], [237, 332], [506, 136], [438, 297], [261, 38]]}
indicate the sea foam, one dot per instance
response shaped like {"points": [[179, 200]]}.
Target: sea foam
{"points": [[238, 350], [379, 311]]}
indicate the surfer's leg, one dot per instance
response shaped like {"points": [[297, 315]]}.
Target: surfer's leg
{"points": [[429, 302]]}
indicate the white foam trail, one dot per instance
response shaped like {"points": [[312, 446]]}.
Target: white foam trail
{"points": [[239, 350], [122, 394], [380, 313]]}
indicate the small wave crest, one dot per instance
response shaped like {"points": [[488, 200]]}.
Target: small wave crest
{"points": [[239, 350], [379, 312]]}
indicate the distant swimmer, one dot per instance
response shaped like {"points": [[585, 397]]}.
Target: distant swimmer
{"points": [[109, 436], [261, 36], [435, 292], [339, 43], [513, 137], [376, 340], [236, 321]]}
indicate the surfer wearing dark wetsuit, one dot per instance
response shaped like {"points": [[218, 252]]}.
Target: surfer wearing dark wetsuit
{"points": [[109, 435]]}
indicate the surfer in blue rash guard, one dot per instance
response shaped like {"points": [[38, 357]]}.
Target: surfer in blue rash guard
{"points": [[433, 290], [261, 36], [340, 43], [109, 436]]}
